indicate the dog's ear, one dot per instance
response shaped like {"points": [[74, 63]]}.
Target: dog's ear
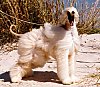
{"points": [[76, 15], [63, 20]]}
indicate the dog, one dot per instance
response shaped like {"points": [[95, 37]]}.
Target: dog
{"points": [[59, 41]]}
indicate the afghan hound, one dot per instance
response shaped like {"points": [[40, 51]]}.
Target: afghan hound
{"points": [[59, 41]]}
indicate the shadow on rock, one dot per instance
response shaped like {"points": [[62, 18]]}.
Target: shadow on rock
{"points": [[44, 76], [5, 76]]}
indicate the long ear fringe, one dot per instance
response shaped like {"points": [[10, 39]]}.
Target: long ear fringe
{"points": [[63, 18], [77, 18]]}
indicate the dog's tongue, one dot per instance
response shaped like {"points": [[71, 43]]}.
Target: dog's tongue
{"points": [[71, 23]]}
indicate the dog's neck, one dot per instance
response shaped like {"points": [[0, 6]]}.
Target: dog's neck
{"points": [[67, 26]]}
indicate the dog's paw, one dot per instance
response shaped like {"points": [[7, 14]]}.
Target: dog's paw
{"points": [[74, 79], [16, 79], [67, 81]]}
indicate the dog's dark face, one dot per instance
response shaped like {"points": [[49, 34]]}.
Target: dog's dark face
{"points": [[70, 17]]}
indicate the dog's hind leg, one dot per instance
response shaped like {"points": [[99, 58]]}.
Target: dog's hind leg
{"points": [[23, 67], [26, 46], [20, 70]]}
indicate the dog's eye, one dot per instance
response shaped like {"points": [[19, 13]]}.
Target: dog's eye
{"points": [[68, 13], [73, 12]]}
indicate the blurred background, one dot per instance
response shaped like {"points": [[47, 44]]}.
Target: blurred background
{"points": [[24, 13]]}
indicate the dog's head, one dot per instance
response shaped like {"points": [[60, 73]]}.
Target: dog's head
{"points": [[69, 16]]}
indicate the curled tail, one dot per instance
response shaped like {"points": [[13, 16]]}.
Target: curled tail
{"points": [[11, 27]]}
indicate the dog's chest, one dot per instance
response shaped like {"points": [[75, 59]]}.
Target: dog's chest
{"points": [[70, 38]]}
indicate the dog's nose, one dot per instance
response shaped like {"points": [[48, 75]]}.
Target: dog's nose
{"points": [[73, 12]]}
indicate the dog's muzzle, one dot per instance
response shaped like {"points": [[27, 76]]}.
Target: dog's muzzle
{"points": [[71, 17]]}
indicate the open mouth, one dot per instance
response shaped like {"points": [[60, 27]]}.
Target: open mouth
{"points": [[71, 17], [71, 23]]}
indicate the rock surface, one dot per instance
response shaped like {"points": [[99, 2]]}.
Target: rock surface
{"points": [[87, 67]]}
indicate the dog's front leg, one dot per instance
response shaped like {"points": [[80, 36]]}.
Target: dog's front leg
{"points": [[72, 67], [63, 66]]}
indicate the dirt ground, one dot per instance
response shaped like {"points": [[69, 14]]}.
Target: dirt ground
{"points": [[87, 67]]}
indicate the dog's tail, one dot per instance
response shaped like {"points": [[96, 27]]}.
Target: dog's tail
{"points": [[14, 26]]}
